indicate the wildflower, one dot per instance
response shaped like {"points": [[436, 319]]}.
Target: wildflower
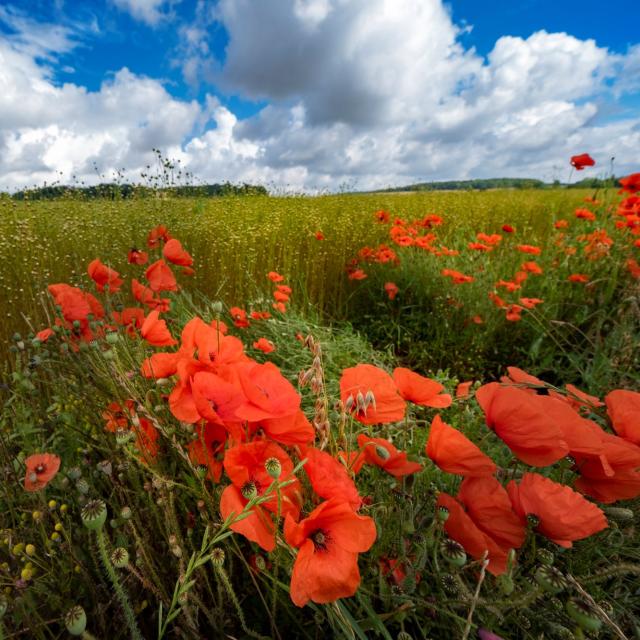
{"points": [[528, 248], [633, 268], [319, 235], [530, 303], [462, 390], [456, 276], [239, 317], [630, 184], [420, 390], [507, 228], [160, 277], [454, 453], [155, 331], [582, 161], [156, 235], [391, 289], [585, 214], [45, 334], [136, 256], [514, 312], [264, 345], [582, 278], [519, 419], [274, 276], [623, 408], [104, 276], [366, 381], [329, 541], [561, 224], [357, 274], [383, 454], [174, 253], [563, 515], [41, 469]]}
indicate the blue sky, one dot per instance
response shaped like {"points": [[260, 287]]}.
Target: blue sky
{"points": [[268, 80]]}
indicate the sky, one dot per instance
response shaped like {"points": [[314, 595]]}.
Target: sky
{"points": [[316, 95]]}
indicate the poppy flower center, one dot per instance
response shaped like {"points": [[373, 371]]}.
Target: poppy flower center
{"points": [[319, 538], [41, 468]]}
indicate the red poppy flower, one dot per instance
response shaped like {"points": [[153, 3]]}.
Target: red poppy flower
{"points": [[488, 505], [560, 224], [137, 257], [420, 390], [104, 276], [156, 235], [563, 515], [262, 344], [174, 253], [329, 477], [462, 390], [582, 278], [630, 184], [383, 454], [585, 214], [274, 276], [454, 453], [357, 274], [623, 408], [382, 216], [531, 267], [216, 399], [507, 228], [329, 541], [530, 303], [461, 528], [319, 235], [514, 312], [582, 161], [456, 276], [41, 469], [371, 395], [289, 430], [239, 317], [527, 248], [280, 297], [160, 277], [258, 526], [519, 419], [391, 289], [155, 331], [208, 448], [45, 334]]}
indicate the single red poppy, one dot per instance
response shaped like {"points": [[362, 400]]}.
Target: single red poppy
{"points": [[630, 184], [319, 235], [585, 214], [507, 228], [41, 469], [454, 453], [582, 278], [383, 454], [174, 253], [45, 334], [391, 289], [581, 161], [104, 276], [137, 257], [329, 541], [156, 235], [264, 345], [155, 331], [563, 515], [274, 276], [420, 390], [527, 248], [160, 277], [623, 408]]}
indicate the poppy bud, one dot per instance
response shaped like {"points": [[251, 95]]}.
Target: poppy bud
{"points": [[217, 307], [551, 580], [442, 514], [75, 620], [273, 467], [453, 552], [619, 514], [217, 557], [545, 557], [583, 613], [112, 337], [82, 486], [74, 473], [403, 635], [249, 490], [94, 515], [120, 557], [505, 582]]}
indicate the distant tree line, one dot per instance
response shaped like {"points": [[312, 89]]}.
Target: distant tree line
{"points": [[114, 191], [503, 183]]}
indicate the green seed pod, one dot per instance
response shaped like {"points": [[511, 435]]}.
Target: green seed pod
{"points": [[112, 337], [217, 307], [76, 620], [403, 635], [109, 354], [120, 557], [550, 579], [74, 473], [249, 490], [82, 486], [217, 557], [583, 613], [273, 467], [545, 557], [449, 584], [619, 514], [453, 552], [126, 513], [94, 514]]}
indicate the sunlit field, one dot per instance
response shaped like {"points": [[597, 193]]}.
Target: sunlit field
{"points": [[386, 416]]}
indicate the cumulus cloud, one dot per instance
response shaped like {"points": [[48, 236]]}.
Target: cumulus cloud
{"points": [[152, 12], [365, 92]]}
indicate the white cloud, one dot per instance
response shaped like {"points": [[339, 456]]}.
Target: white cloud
{"points": [[151, 12], [365, 92]]}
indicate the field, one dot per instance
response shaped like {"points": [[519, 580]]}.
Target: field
{"points": [[190, 488]]}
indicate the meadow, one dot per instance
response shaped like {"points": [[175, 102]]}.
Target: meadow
{"points": [[278, 417]]}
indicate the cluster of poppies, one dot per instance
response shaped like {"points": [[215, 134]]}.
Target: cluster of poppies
{"points": [[597, 245]]}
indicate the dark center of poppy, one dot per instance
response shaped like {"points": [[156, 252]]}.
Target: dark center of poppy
{"points": [[320, 538], [41, 468]]}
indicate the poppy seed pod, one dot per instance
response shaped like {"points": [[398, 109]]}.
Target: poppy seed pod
{"points": [[120, 557], [94, 515], [273, 467], [217, 557], [584, 614], [453, 552], [76, 620], [249, 490], [550, 579]]}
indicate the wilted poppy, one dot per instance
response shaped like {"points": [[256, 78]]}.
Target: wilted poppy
{"points": [[371, 395], [41, 469], [420, 390], [562, 514], [329, 541], [453, 452]]}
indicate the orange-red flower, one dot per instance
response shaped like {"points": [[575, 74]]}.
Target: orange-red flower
{"points": [[453, 452], [582, 278], [456, 276], [156, 235], [155, 331], [104, 276], [208, 448], [519, 419], [262, 344], [530, 303], [45, 334], [420, 390], [391, 289], [160, 277], [41, 469], [274, 276], [630, 184], [623, 408], [174, 253], [581, 161], [319, 235], [585, 214], [462, 390], [383, 454], [507, 228], [371, 395], [563, 515], [528, 248], [136, 256], [328, 541]]}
